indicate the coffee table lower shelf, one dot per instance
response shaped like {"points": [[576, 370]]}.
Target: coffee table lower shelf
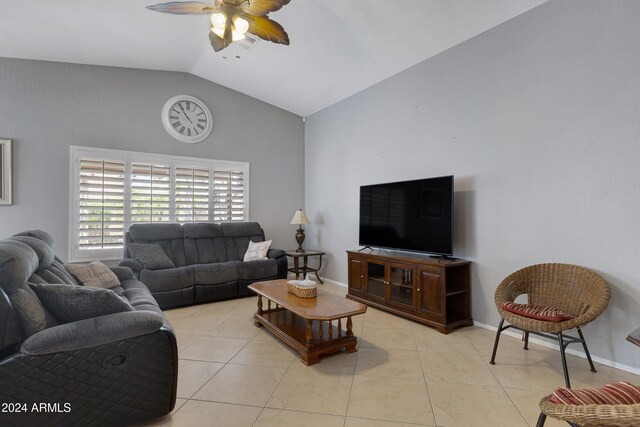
{"points": [[310, 338]]}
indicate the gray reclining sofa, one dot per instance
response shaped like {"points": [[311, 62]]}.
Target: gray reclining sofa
{"points": [[207, 261], [110, 370]]}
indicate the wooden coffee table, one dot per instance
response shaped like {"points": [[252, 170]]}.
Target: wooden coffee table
{"points": [[306, 324]]}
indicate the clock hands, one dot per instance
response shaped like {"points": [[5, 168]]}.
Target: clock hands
{"points": [[185, 113]]}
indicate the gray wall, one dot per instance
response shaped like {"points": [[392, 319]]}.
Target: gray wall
{"points": [[46, 107], [539, 121]]}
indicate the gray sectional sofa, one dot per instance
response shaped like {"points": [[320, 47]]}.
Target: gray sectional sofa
{"points": [[113, 369], [207, 261]]}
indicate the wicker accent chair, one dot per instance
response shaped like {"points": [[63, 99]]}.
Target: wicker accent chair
{"points": [[590, 415], [575, 290]]}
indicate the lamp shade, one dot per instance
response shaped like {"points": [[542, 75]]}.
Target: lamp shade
{"points": [[300, 218]]}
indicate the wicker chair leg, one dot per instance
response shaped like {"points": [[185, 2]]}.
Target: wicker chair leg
{"points": [[526, 340], [495, 343], [541, 419], [565, 370], [586, 350]]}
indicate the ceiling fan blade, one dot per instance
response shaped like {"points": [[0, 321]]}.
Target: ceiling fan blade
{"points": [[218, 43], [183, 8], [262, 7], [268, 30]]}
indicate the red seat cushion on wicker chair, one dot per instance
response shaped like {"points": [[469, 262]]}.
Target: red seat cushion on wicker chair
{"points": [[538, 312], [621, 393]]}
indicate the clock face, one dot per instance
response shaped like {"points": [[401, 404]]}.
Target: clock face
{"points": [[187, 119]]}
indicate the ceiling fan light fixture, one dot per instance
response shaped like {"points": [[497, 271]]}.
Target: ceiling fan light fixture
{"points": [[235, 34], [241, 25], [219, 20]]}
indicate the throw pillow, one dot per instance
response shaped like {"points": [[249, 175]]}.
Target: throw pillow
{"points": [[538, 312], [94, 274], [72, 303], [620, 393], [150, 255], [31, 313], [257, 251]]}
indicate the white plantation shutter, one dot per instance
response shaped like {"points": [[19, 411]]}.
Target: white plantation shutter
{"points": [[192, 194], [150, 193], [112, 189], [100, 205], [228, 195]]}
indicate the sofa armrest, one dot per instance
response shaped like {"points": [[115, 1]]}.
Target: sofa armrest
{"points": [[92, 332], [275, 253], [281, 260], [123, 273], [133, 264]]}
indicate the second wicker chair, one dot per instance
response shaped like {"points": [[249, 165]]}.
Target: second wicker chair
{"points": [[572, 289]]}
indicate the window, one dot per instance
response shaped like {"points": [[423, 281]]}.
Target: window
{"points": [[112, 189]]}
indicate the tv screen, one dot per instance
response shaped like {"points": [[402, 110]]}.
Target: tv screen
{"points": [[408, 215]]}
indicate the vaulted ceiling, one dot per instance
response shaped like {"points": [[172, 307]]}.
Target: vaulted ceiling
{"points": [[338, 47]]}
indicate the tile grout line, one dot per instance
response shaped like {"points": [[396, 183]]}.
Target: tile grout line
{"points": [[424, 377]]}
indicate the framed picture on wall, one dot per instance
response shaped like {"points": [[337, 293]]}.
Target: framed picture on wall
{"points": [[5, 171]]}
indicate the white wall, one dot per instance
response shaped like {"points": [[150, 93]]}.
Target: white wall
{"points": [[45, 107], [539, 121]]}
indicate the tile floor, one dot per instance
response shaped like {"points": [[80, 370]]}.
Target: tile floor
{"points": [[404, 374]]}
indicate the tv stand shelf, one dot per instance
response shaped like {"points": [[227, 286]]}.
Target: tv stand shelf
{"points": [[436, 292]]}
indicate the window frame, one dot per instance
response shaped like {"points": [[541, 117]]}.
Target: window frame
{"points": [[76, 153]]}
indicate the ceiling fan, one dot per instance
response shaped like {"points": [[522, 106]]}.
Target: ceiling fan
{"points": [[231, 19]]}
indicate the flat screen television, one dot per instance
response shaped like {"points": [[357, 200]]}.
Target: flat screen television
{"points": [[408, 215]]}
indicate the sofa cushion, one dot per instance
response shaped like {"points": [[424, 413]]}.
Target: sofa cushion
{"points": [[31, 313], [169, 279], [257, 250], [71, 303], [538, 312], [620, 393], [153, 232], [255, 270], [150, 255], [215, 274], [94, 274]]}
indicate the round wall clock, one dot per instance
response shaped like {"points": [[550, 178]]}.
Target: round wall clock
{"points": [[187, 119]]}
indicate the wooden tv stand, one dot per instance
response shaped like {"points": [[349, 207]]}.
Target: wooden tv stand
{"points": [[436, 292]]}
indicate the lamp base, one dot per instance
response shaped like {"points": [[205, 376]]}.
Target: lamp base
{"points": [[300, 239]]}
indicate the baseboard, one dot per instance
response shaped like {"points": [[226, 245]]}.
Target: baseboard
{"points": [[334, 282], [544, 343]]}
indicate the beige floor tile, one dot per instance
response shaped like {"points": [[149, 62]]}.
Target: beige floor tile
{"points": [[236, 327], [193, 374], [512, 348], [312, 391], [161, 420], [198, 324], [341, 362], [196, 413], [280, 418], [456, 368], [381, 319], [213, 349], [184, 340], [389, 363], [390, 399], [473, 405], [364, 422], [267, 351], [527, 402], [400, 339], [579, 370], [532, 375], [241, 384], [428, 339]]}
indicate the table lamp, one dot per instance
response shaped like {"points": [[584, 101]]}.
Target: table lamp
{"points": [[299, 219]]}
